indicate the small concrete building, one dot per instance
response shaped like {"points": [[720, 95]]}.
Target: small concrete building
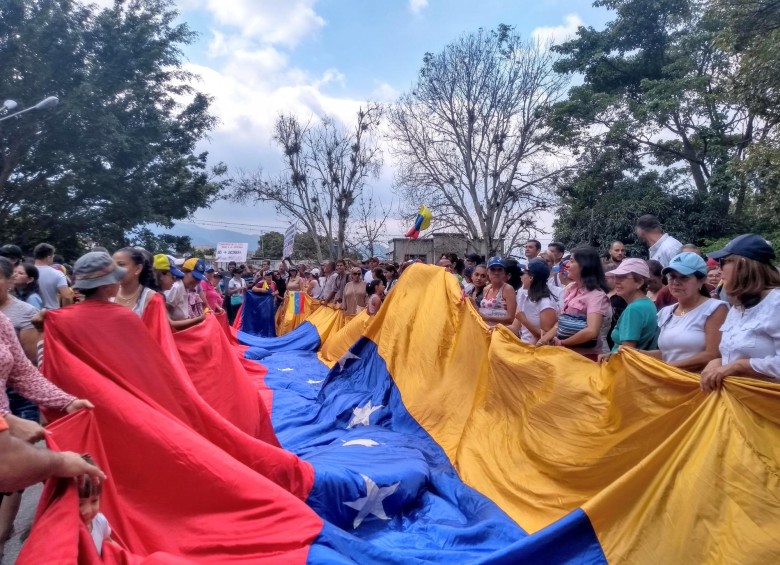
{"points": [[430, 248]]}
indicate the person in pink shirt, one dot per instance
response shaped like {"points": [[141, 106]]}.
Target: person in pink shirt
{"points": [[209, 287], [586, 315]]}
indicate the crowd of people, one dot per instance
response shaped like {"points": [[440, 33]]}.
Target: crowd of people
{"points": [[347, 284], [718, 315]]}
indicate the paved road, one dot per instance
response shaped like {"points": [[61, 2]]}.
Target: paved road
{"points": [[22, 524]]}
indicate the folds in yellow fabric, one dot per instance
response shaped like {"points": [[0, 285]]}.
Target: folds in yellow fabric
{"points": [[665, 473]]}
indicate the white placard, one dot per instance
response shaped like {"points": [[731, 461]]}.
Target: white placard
{"points": [[289, 241], [227, 252]]}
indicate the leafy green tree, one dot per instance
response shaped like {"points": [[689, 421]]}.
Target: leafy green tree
{"points": [[306, 248], [752, 35], [601, 202], [655, 79], [119, 149], [161, 243], [271, 245]]}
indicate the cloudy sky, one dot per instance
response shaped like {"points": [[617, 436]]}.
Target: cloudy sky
{"points": [[261, 57]]}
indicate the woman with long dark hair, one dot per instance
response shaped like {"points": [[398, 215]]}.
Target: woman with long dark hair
{"points": [[585, 318], [25, 279], [137, 287], [375, 291], [537, 307], [391, 274]]}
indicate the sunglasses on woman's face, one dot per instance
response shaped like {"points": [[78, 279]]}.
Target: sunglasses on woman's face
{"points": [[355, 274]]}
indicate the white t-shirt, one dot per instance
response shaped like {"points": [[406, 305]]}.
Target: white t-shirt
{"points": [[236, 283], [556, 289], [665, 249], [101, 531], [368, 276], [178, 301], [50, 281], [682, 337], [754, 334], [533, 311]]}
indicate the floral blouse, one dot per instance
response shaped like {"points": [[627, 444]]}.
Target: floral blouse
{"points": [[17, 372]]}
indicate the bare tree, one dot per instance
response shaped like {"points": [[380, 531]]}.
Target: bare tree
{"points": [[327, 167], [470, 137], [369, 225]]}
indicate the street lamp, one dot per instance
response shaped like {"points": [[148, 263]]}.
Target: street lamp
{"points": [[45, 104], [9, 106]]}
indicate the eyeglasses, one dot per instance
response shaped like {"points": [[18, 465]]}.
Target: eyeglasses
{"points": [[354, 274], [723, 261]]}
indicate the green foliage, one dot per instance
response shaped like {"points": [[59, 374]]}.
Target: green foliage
{"points": [[601, 202], [163, 243], [119, 149], [686, 93], [305, 247], [271, 245], [715, 244]]}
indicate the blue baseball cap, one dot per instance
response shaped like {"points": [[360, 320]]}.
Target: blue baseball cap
{"points": [[196, 266], [538, 269], [496, 262], [747, 245], [686, 264]]}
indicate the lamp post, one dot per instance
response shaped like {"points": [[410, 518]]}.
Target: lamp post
{"points": [[45, 104], [8, 106]]}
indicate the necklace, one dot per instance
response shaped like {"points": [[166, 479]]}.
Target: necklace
{"points": [[684, 311], [127, 300]]}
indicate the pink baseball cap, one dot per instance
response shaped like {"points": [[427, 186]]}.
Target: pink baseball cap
{"points": [[631, 267]]}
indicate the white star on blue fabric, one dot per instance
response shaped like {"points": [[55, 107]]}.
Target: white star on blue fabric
{"points": [[361, 442], [344, 358], [371, 504], [361, 416]]}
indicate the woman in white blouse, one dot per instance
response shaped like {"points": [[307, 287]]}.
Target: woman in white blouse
{"points": [[689, 330], [538, 307], [750, 336]]}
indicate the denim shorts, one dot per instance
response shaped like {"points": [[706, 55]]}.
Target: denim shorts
{"points": [[21, 407]]}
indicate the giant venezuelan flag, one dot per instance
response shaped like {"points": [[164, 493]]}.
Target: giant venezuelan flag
{"points": [[421, 437]]}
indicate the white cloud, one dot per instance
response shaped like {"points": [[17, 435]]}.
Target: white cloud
{"points": [[417, 6], [268, 21], [99, 3], [560, 33], [384, 92], [247, 70]]}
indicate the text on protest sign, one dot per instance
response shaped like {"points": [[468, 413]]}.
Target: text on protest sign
{"points": [[289, 241], [227, 252]]}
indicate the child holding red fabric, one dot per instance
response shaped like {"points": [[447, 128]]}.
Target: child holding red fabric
{"points": [[89, 509]]}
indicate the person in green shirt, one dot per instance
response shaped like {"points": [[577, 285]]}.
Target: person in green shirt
{"points": [[638, 324]]}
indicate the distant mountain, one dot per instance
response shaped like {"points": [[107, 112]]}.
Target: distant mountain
{"points": [[202, 237]]}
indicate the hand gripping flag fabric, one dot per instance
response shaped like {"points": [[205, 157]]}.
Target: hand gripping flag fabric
{"points": [[428, 439]]}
